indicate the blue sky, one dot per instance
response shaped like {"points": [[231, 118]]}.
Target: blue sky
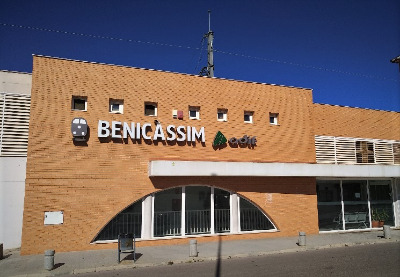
{"points": [[341, 49]]}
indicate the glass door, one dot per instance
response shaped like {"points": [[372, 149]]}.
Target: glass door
{"points": [[329, 197], [355, 201]]}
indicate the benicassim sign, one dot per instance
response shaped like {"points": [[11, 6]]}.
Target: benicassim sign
{"points": [[137, 131]]}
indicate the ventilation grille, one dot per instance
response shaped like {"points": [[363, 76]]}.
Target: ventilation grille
{"points": [[342, 150], [14, 124]]}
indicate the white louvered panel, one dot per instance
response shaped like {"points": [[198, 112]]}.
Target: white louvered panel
{"points": [[325, 149], [15, 124], [383, 152], [2, 97], [345, 150]]}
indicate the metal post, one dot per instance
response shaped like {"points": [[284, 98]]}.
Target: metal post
{"points": [[134, 247], [49, 259], [386, 231], [1, 251], [210, 65], [302, 238], [193, 248]]}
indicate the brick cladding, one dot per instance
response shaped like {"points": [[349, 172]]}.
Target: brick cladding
{"points": [[91, 183], [355, 122]]}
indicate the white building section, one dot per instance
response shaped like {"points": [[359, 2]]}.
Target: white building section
{"points": [[15, 93]]}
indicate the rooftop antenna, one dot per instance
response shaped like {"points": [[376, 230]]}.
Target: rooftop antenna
{"points": [[209, 69]]}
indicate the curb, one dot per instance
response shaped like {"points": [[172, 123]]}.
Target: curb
{"points": [[203, 259]]}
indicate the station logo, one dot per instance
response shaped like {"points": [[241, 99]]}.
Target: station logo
{"points": [[79, 129]]}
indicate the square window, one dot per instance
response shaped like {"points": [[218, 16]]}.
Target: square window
{"points": [[150, 109], [248, 117], [273, 118], [116, 106], [194, 112], [79, 103], [222, 115]]}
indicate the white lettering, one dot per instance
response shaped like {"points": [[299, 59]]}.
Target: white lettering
{"points": [[115, 129], [144, 131], [170, 131], [103, 126], [130, 131], [180, 130], [199, 135], [189, 133], [159, 133], [138, 131]]}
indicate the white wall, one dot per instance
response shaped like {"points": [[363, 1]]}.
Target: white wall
{"points": [[12, 193], [15, 82]]}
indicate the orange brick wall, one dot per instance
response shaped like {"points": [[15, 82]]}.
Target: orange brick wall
{"points": [[355, 122], [92, 183]]}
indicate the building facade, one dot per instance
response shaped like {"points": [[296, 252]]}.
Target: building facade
{"points": [[170, 156]]}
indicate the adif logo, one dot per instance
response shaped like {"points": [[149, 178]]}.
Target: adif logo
{"points": [[79, 128], [219, 139]]}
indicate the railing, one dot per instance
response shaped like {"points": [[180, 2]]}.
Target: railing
{"points": [[123, 223], [253, 219], [198, 222], [167, 223], [222, 220]]}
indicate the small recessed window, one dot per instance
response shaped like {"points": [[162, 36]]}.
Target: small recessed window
{"points": [[248, 117], [222, 115], [79, 103], [116, 106], [150, 109], [194, 112], [273, 118]]}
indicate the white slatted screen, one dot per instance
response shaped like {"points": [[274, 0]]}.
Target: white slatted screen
{"points": [[343, 150], [14, 124]]}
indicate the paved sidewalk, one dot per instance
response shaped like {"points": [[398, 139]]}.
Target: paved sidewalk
{"points": [[101, 260]]}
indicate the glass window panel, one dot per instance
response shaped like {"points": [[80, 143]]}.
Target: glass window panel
{"points": [[355, 200], [329, 205], [198, 210], [381, 203], [222, 211], [129, 221], [79, 104], [251, 218], [167, 212]]}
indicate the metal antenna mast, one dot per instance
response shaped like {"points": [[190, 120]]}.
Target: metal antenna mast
{"points": [[209, 69]]}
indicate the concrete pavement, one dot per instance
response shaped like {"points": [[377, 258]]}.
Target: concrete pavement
{"points": [[102, 260]]}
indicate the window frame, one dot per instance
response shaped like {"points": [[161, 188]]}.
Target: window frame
{"points": [[112, 102], [224, 113], [251, 117], [275, 118], [196, 109], [75, 97], [154, 104]]}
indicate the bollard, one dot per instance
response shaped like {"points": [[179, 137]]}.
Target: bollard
{"points": [[302, 238], [1, 251], [386, 231], [193, 248], [49, 259]]}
